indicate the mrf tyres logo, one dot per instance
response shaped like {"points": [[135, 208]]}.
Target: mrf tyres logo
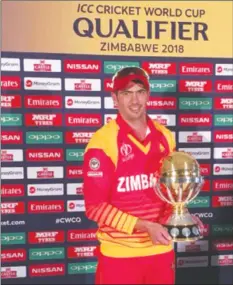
{"points": [[159, 68], [46, 237], [32, 120], [195, 85]]}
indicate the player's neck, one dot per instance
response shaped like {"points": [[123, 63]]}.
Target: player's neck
{"points": [[139, 127]]}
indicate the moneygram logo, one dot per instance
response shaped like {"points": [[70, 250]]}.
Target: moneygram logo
{"points": [[43, 101], [194, 261], [223, 185], [157, 103], [10, 82], [195, 85], [200, 202], [223, 169], [223, 103], [78, 137], [196, 68], [222, 201], [75, 206], [222, 230], [81, 235], [82, 66], [44, 154], [46, 270], [186, 103], [82, 267], [12, 255], [12, 190], [163, 86], [114, 66], [195, 137], [12, 208], [12, 173], [198, 153], [46, 253], [41, 172], [44, 137], [46, 237], [81, 251], [39, 83], [51, 206], [42, 65], [187, 120], [223, 120], [159, 68], [224, 86], [80, 102], [83, 120], [11, 137], [224, 69], [45, 189], [13, 238], [11, 120], [11, 101], [109, 117], [74, 154], [10, 64], [51, 120], [74, 188], [81, 84]]}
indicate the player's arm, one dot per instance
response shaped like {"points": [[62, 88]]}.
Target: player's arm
{"points": [[98, 171]]}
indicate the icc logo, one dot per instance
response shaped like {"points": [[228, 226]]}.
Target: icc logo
{"points": [[126, 149]]}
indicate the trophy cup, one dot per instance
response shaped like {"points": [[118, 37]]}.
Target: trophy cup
{"points": [[177, 183]]}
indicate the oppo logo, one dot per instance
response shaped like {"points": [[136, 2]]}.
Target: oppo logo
{"points": [[11, 238], [10, 119], [44, 137], [47, 253], [76, 154], [195, 103], [83, 267], [161, 85]]}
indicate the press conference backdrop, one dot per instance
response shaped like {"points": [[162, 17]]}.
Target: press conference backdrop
{"points": [[57, 62]]}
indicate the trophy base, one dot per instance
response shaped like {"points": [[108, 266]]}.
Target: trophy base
{"points": [[183, 233]]}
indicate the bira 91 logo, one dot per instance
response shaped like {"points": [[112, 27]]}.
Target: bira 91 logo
{"points": [[46, 237], [158, 103], [12, 255], [12, 208], [196, 68], [192, 120], [159, 68], [81, 235], [224, 86], [78, 137], [223, 185], [195, 86], [81, 251], [223, 136], [42, 65], [12, 190], [82, 66], [11, 101], [44, 154], [223, 103], [11, 137], [47, 270], [81, 84], [83, 120], [74, 171], [52, 206], [10, 82], [222, 201], [51, 120], [43, 101], [222, 244]]}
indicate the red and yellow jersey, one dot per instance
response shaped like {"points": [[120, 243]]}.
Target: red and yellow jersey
{"points": [[118, 186]]}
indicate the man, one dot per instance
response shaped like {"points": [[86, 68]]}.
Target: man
{"points": [[119, 165]]}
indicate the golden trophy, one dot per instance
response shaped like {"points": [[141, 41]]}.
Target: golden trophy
{"points": [[178, 182]]}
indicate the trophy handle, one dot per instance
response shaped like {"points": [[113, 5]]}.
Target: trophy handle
{"points": [[158, 192], [188, 199]]}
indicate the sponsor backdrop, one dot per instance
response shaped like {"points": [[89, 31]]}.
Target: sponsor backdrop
{"points": [[57, 62]]}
